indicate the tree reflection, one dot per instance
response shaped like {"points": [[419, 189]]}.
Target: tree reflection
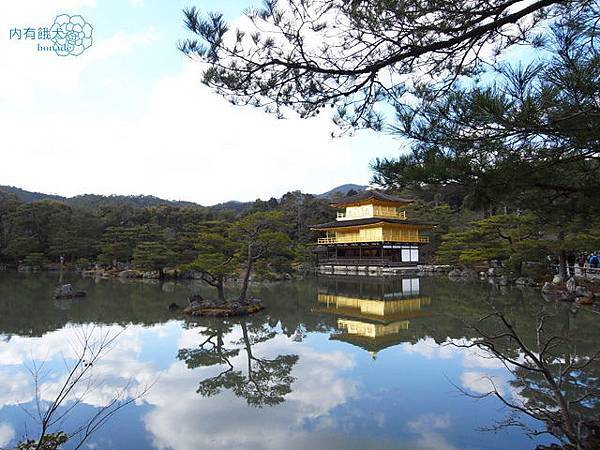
{"points": [[555, 376], [260, 381]]}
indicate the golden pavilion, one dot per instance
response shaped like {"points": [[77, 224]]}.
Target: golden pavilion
{"points": [[372, 230]]}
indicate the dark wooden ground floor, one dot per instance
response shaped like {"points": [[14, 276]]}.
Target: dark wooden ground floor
{"points": [[381, 254]]}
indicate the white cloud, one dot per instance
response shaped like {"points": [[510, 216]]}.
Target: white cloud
{"points": [[206, 422], [475, 357], [491, 374], [429, 427], [24, 11], [64, 342], [482, 383], [7, 434], [117, 369], [428, 348], [121, 44], [194, 421], [25, 69], [186, 143], [29, 72], [189, 144], [15, 388]]}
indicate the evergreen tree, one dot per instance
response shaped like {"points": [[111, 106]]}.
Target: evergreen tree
{"points": [[153, 256], [529, 142], [305, 55], [509, 238], [119, 243], [261, 237], [216, 257]]}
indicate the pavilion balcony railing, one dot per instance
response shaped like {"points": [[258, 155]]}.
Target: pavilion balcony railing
{"points": [[352, 239], [364, 262], [393, 215]]}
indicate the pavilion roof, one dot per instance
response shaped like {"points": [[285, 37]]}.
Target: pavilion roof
{"points": [[369, 221], [372, 194], [372, 344]]}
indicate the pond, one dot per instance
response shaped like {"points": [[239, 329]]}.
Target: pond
{"points": [[331, 363]]}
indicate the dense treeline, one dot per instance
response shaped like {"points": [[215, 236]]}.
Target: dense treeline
{"points": [[520, 240], [45, 232], [207, 239]]}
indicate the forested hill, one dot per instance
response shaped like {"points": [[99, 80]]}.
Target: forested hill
{"points": [[93, 200], [146, 201], [344, 189], [141, 201], [37, 229], [28, 196]]}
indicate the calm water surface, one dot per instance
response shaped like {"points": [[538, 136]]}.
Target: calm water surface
{"points": [[334, 363]]}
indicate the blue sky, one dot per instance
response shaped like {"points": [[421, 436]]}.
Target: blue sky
{"points": [[130, 116], [161, 22]]}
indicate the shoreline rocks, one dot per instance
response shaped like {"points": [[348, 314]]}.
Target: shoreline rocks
{"points": [[462, 274], [577, 290], [571, 291], [525, 281], [129, 274]]}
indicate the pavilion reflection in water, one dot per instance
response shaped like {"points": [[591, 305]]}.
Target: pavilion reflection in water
{"points": [[371, 313]]}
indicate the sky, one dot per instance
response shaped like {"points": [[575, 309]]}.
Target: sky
{"points": [[130, 116]]}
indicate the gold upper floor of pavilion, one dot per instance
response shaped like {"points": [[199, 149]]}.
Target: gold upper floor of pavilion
{"points": [[372, 216], [371, 204]]}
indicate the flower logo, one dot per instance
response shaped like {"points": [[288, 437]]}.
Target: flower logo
{"points": [[71, 35]]}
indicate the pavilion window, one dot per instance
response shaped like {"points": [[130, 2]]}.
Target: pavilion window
{"points": [[414, 254], [410, 253]]}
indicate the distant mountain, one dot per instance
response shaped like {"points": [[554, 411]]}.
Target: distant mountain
{"points": [[342, 190], [93, 200], [140, 201], [28, 197], [232, 205], [144, 201]]}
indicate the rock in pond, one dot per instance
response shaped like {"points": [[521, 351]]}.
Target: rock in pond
{"points": [[503, 280], [151, 275], [464, 274], [130, 274], [584, 301], [582, 291], [66, 291], [571, 285], [553, 292], [195, 298], [455, 273], [524, 281]]}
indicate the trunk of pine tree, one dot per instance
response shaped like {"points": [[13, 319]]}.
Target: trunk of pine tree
{"points": [[220, 288], [519, 269], [246, 275], [562, 257]]}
